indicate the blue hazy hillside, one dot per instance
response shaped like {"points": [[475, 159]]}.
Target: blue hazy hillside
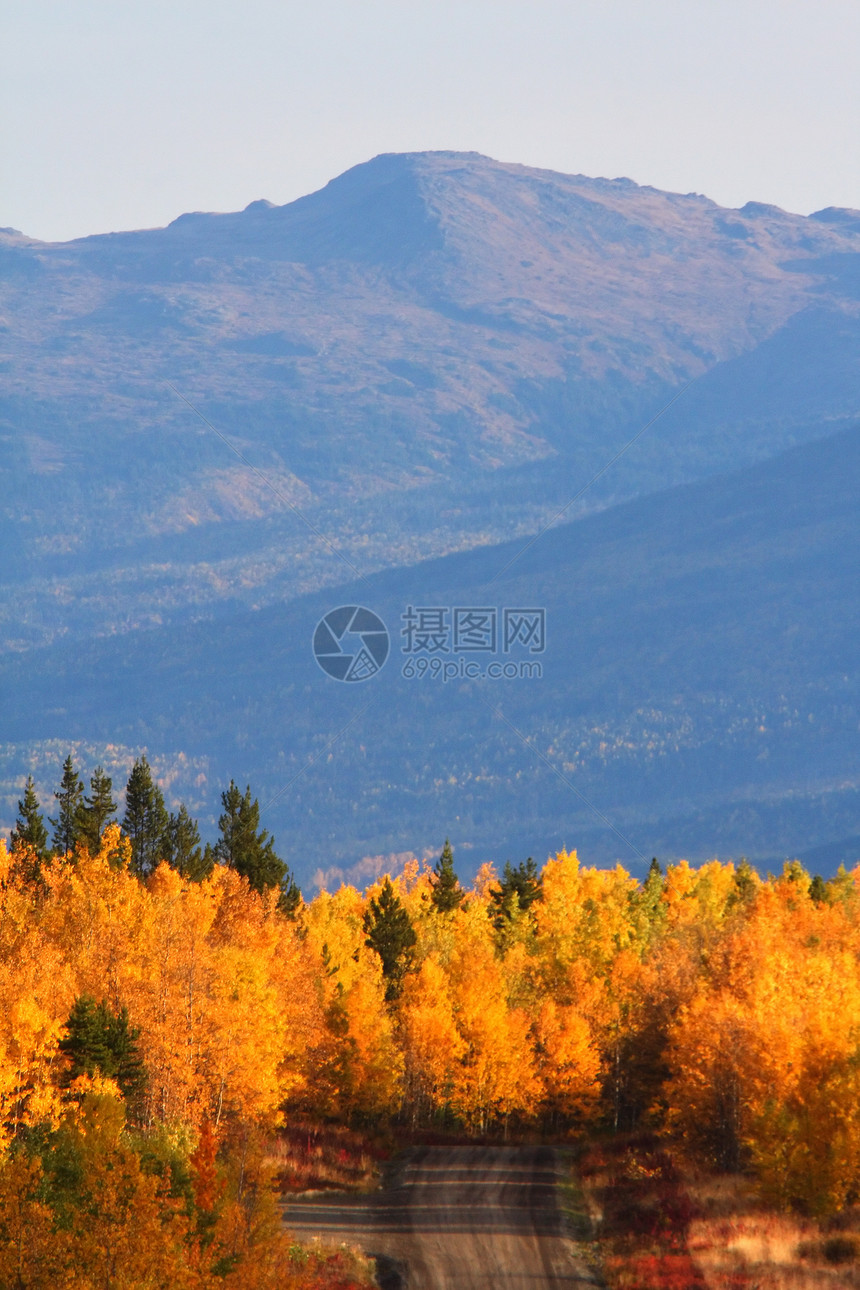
{"points": [[699, 690]]}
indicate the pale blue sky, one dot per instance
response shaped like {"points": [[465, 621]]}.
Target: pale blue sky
{"points": [[117, 114]]}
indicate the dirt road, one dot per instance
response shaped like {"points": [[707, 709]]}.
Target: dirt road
{"points": [[470, 1218]]}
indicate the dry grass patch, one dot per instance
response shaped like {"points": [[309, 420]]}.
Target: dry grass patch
{"points": [[663, 1224], [315, 1157], [738, 1243]]}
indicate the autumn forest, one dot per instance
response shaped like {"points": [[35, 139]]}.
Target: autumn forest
{"points": [[167, 1010]]}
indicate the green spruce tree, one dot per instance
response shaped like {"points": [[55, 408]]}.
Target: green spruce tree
{"points": [[29, 827], [101, 1042], [447, 893], [29, 840], [250, 850], [389, 931], [290, 896], [182, 849], [70, 795], [519, 888], [819, 893], [95, 811], [146, 820]]}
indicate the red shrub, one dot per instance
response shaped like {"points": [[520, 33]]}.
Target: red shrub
{"points": [[663, 1272]]}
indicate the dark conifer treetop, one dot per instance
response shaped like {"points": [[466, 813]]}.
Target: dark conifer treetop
{"points": [[250, 850], [390, 933], [447, 895], [95, 811], [29, 827], [69, 797], [182, 849], [518, 889], [146, 820], [652, 890], [155, 834]]}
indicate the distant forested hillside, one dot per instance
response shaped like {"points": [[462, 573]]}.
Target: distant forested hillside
{"points": [[698, 693]]}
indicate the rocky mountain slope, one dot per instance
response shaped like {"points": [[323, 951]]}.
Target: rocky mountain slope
{"points": [[432, 353]]}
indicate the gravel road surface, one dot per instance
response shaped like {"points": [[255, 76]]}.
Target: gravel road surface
{"points": [[470, 1218]]}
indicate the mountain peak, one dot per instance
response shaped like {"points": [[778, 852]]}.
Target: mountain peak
{"points": [[842, 216]]}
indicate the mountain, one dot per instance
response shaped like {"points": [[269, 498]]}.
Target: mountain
{"points": [[217, 432], [433, 353]]}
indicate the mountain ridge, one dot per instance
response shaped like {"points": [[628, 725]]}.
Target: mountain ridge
{"points": [[526, 345]]}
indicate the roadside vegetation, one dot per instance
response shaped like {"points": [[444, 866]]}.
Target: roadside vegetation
{"points": [[658, 1220]]}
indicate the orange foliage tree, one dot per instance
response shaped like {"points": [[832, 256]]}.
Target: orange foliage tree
{"points": [[705, 1001]]}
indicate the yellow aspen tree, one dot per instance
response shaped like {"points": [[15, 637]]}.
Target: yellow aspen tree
{"points": [[805, 996], [432, 1045], [247, 1022], [174, 1015], [32, 1252], [713, 1051], [569, 1062], [97, 916], [496, 1075], [123, 1230], [758, 1054], [354, 1065], [35, 992]]}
